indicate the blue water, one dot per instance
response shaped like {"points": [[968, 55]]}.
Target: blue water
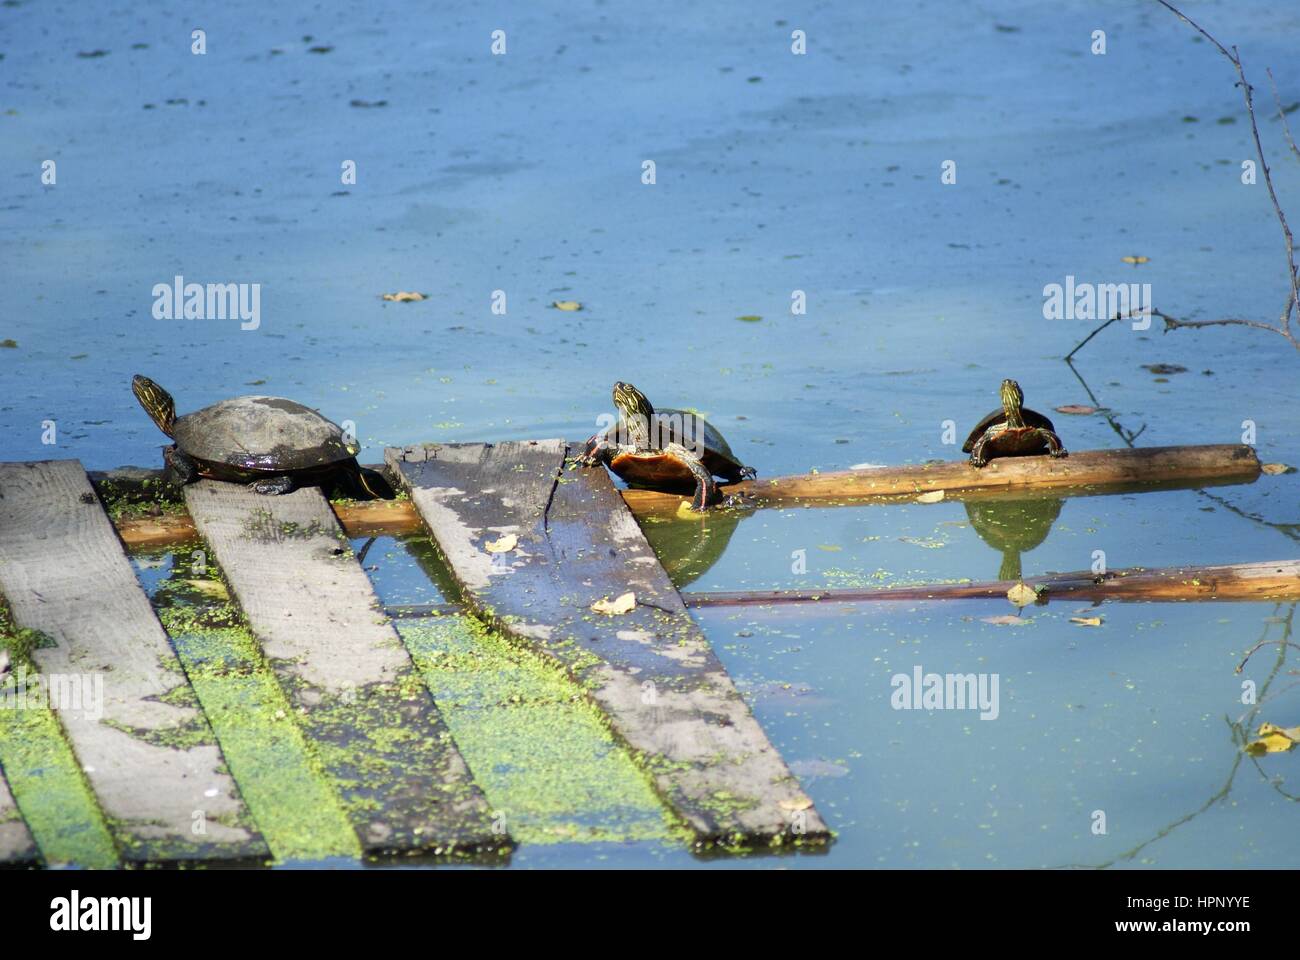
{"points": [[774, 173]]}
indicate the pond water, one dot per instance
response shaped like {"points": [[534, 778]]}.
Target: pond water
{"points": [[775, 173]]}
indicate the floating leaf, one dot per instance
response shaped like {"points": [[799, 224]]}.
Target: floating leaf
{"points": [[1086, 621], [404, 296], [1273, 469], [1135, 260], [1273, 739], [1078, 409], [934, 496], [211, 588], [829, 547], [625, 603], [750, 318], [503, 545], [799, 803], [1164, 368], [9, 344], [567, 305], [1006, 620], [1022, 595]]}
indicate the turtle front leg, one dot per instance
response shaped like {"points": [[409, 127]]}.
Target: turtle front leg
{"points": [[977, 458], [1054, 446], [598, 450], [706, 488], [182, 468], [273, 486]]}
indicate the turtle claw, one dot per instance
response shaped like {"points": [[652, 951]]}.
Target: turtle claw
{"points": [[273, 486], [748, 473], [978, 462], [1058, 454]]}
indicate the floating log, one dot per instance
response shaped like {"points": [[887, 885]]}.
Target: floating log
{"points": [[64, 574], [1088, 473], [650, 670], [17, 848], [1270, 581], [354, 688]]}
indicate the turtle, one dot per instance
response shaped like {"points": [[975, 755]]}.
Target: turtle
{"points": [[665, 449], [272, 444], [1012, 431]]}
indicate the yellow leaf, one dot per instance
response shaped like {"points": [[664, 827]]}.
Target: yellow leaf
{"points": [[404, 296], [1022, 595], [829, 547], [213, 588], [504, 545], [1273, 469], [1273, 739], [799, 803], [1086, 621], [624, 603], [934, 496], [569, 305], [1135, 260]]}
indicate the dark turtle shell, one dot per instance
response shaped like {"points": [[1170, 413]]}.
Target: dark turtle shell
{"points": [[261, 434], [657, 468], [1032, 418]]}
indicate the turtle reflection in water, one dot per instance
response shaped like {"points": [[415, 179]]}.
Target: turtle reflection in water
{"points": [[272, 444], [1013, 527]]}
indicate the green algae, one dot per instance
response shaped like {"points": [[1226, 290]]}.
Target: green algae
{"points": [[541, 752], [44, 776], [280, 776]]}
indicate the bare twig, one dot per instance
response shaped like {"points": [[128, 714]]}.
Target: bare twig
{"points": [[1281, 114], [1283, 326]]}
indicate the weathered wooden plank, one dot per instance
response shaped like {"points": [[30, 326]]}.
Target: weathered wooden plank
{"points": [[146, 749], [17, 848], [357, 694], [651, 671]]}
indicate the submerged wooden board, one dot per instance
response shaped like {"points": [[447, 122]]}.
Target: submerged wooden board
{"points": [[651, 671], [129, 714], [16, 844], [352, 683]]}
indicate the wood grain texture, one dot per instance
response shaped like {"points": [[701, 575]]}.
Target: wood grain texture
{"points": [[352, 683], [17, 848], [147, 750], [650, 671]]}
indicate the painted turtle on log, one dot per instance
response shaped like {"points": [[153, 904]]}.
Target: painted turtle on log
{"points": [[272, 444], [665, 449], [1012, 431]]}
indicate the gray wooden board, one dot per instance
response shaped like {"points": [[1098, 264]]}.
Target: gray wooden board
{"points": [[16, 844], [358, 697], [129, 714], [651, 671]]}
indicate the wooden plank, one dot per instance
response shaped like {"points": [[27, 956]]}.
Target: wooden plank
{"points": [[146, 749], [357, 695], [17, 848], [1274, 580], [650, 671], [1084, 474]]}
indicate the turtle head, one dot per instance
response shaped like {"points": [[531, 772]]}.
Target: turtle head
{"points": [[635, 413], [1013, 398], [157, 402]]}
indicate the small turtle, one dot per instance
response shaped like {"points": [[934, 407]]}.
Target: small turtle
{"points": [[1012, 431], [665, 450], [272, 444]]}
